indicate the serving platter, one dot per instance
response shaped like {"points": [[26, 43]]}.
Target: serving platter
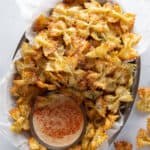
{"points": [[127, 108]]}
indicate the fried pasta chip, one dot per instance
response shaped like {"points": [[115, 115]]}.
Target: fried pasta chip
{"points": [[34, 144], [109, 121], [40, 23], [129, 40], [77, 147], [143, 136], [123, 145], [142, 139], [90, 132], [20, 115], [127, 24], [143, 104], [101, 106], [98, 139]]}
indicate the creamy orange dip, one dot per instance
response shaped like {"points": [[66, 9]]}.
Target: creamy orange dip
{"points": [[58, 124]]}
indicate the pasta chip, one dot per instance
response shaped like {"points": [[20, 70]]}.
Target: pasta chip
{"points": [[142, 139], [77, 147], [27, 50], [109, 121], [99, 52], [128, 22], [34, 145], [90, 132], [98, 139], [124, 94], [123, 145], [21, 116], [101, 106], [40, 23], [143, 104]]}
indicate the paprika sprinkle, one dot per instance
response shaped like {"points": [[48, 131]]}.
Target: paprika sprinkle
{"points": [[60, 123]]}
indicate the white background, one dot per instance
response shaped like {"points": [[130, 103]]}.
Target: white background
{"points": [[12, 27]]}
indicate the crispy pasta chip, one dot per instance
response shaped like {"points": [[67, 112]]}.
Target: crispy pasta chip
{"points": [[123, 145], [129, 40], [98, 139], [34, 145], [109, 121], [127, 22], [143, 136], [142, 139], [77, 147], [40, 23], [21, 116], [143, 104], [90, 132]]}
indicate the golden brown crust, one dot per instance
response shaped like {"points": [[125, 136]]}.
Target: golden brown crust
{"points": [[143, 136], [68, 1], [143, 104], [74, 1], [123, 145]]}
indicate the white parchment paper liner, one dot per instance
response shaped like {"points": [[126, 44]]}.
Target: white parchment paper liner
{"points": [[30, 9]]}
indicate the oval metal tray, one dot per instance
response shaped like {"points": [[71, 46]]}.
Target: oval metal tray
{"points": [[128, 107]]}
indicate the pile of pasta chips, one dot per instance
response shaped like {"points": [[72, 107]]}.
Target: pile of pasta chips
{"points": [[82, 49]]}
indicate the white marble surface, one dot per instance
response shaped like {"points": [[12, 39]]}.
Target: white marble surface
{"points": [[11, 29]]}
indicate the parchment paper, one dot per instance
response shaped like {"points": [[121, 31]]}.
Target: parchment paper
{"points": [[30, 9]]}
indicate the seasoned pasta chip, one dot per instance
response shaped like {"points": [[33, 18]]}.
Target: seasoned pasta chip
{"points": [[127, 22], [21, 116], [77, 147], [143, 104], [99, 52], [142, 139], [40, 23], [124, 94], [130, 39], [123, 145], [90, 132], [101, 106], [109, 121], [98, 139], [34, 145], [27, 50], [62, 64], [15, 113]]}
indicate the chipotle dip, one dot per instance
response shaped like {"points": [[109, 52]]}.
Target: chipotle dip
{"points": [[60, 123]]}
